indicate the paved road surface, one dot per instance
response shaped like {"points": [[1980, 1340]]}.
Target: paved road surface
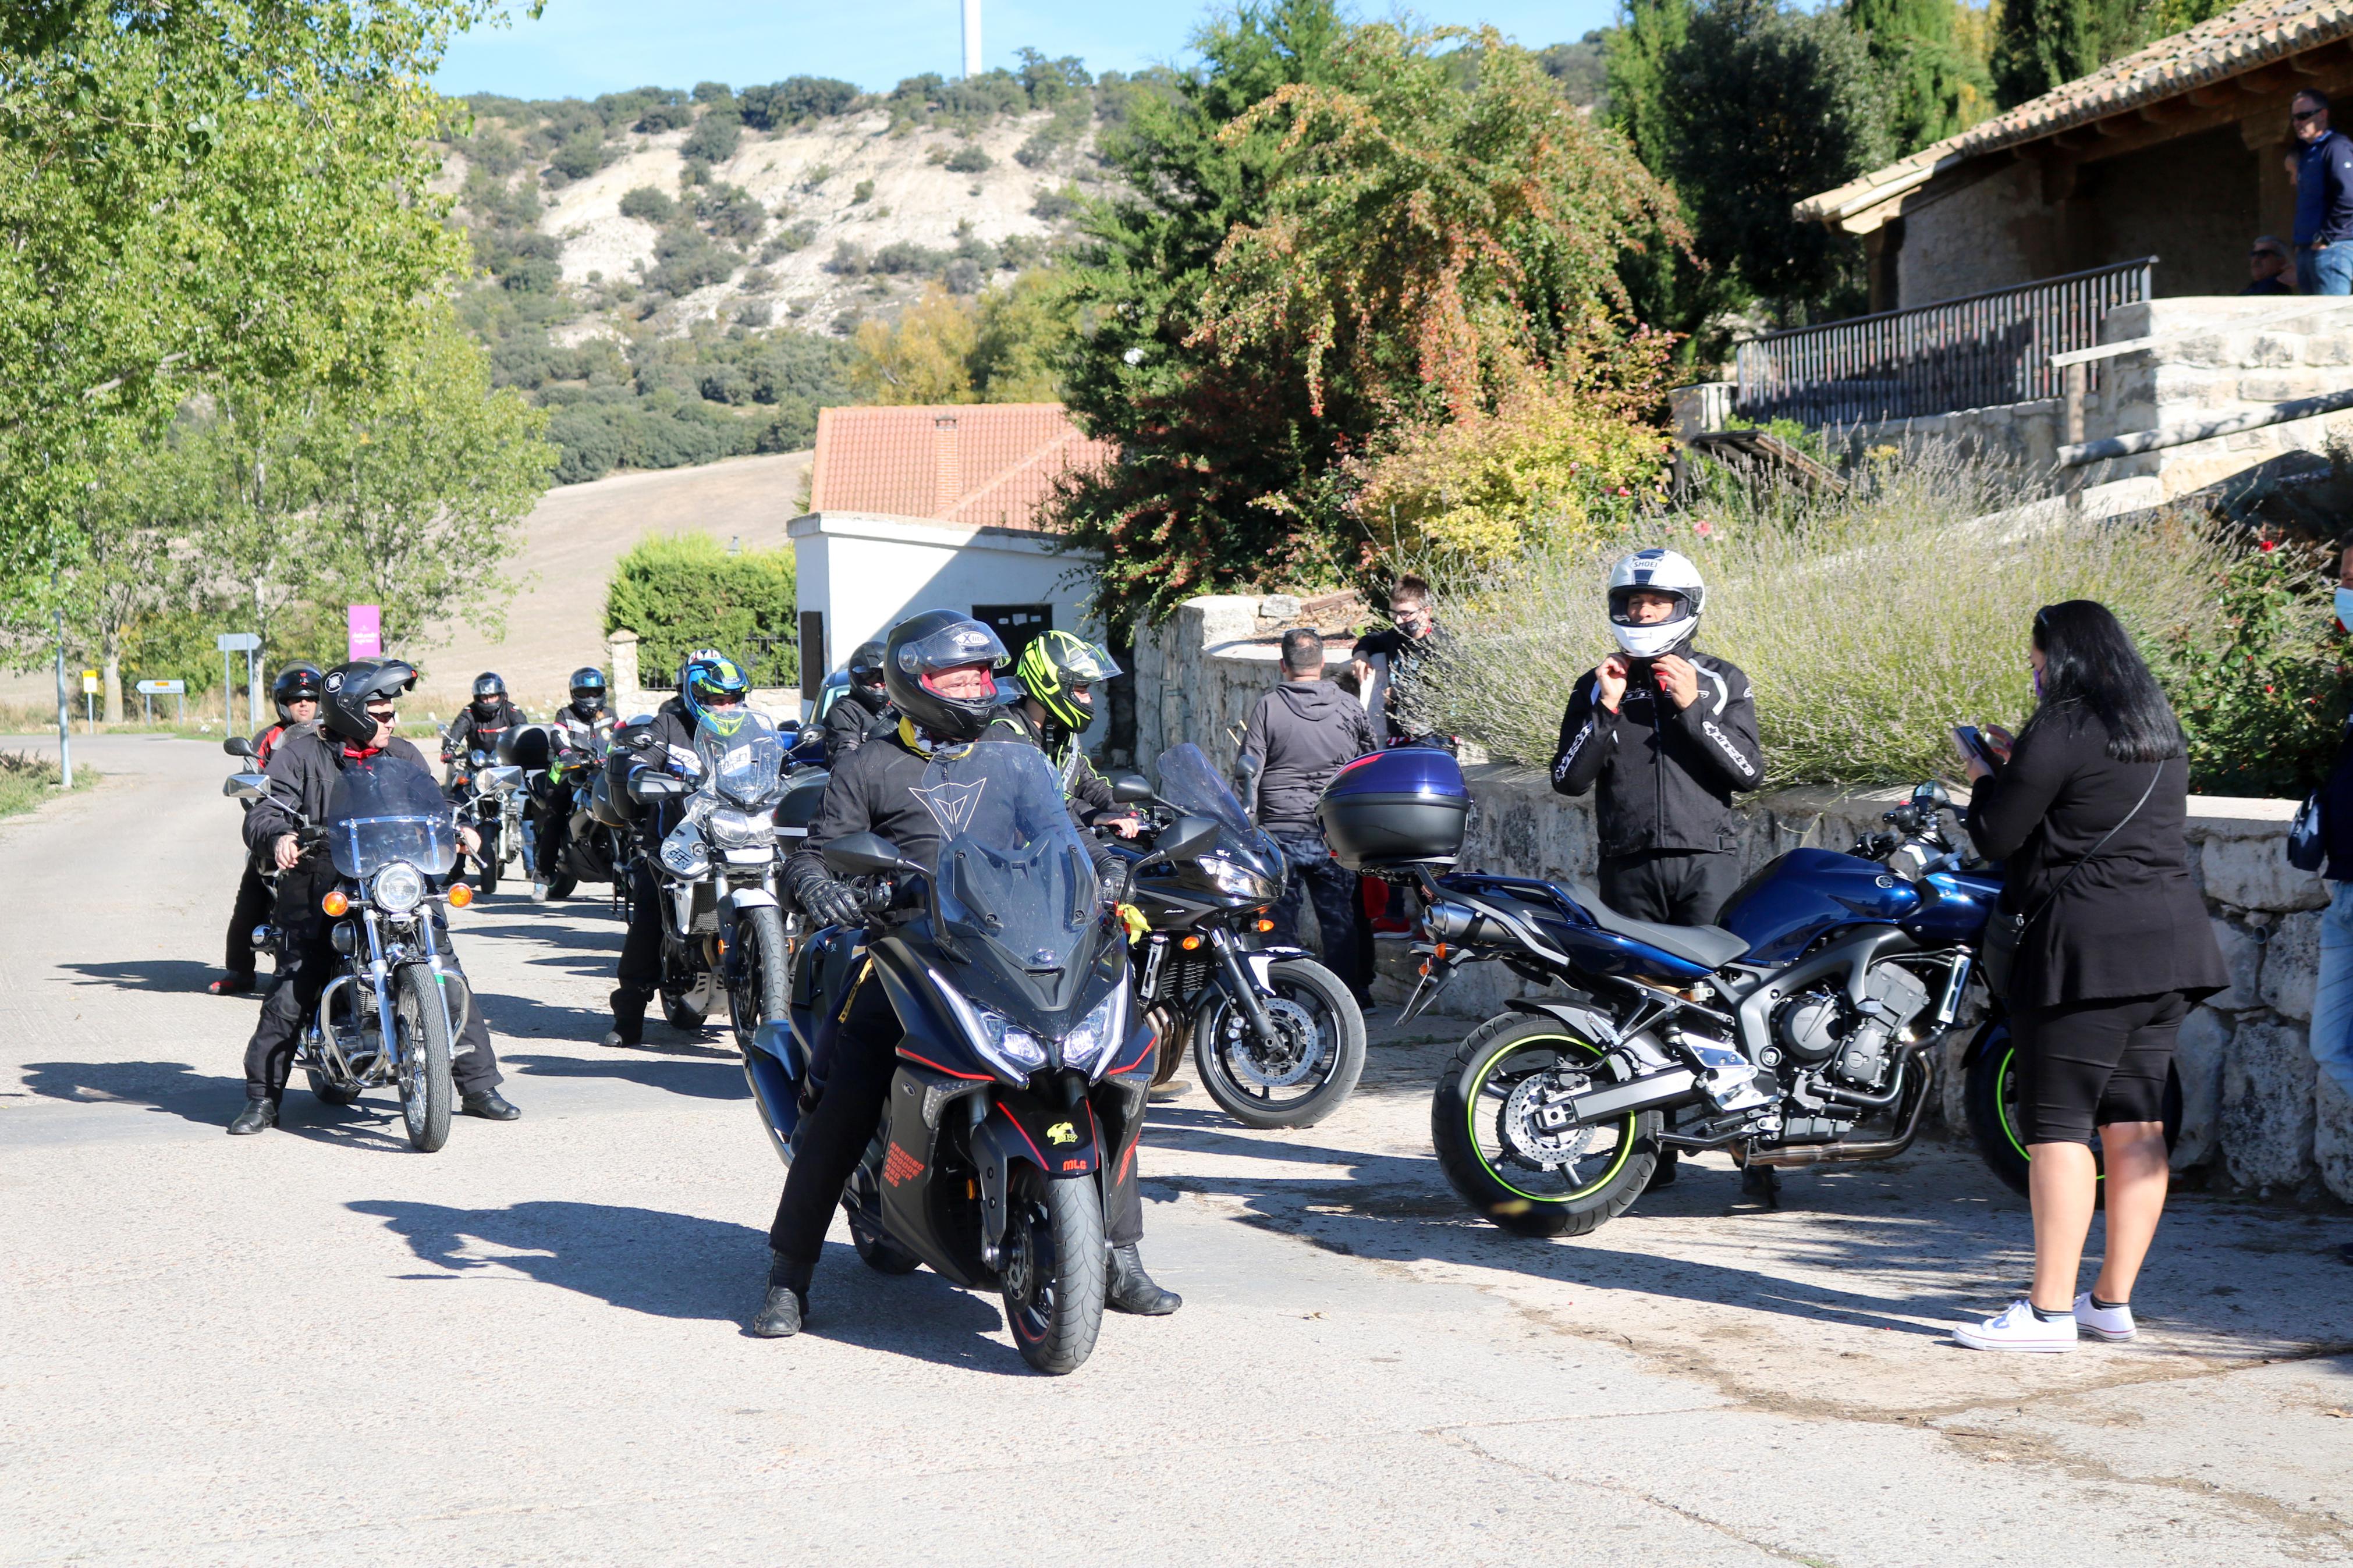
{"points": [[317, 1346]]}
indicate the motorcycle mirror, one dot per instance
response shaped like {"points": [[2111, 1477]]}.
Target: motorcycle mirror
{"points": [[238, 746], [1186, 838], [1130, 789], [865, 854], [508, 777], [1930, 795], [647, 787], [246, 786]]}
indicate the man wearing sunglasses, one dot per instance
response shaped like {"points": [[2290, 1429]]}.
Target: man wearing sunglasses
{"points": [[2324, 199], [2269, 269]]}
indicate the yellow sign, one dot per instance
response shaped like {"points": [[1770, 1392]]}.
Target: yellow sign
{"points": [[1061, 1132], [90, 683]]}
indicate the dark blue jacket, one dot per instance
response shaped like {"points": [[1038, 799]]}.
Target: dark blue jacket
{"points": [[2324, 191]]}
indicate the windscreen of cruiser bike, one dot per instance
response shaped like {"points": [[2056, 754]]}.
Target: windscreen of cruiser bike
{"points": [[387, 809], [743, 755], [1015, 901], [1189, 784]]}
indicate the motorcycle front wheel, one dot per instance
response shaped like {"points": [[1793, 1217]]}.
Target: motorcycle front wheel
{"points": [[1997, 1128], [425, 1091], [1054, 1268], [762, 972], [486, 864], [555, 889], [1302, 1076], [1524, 1179]]}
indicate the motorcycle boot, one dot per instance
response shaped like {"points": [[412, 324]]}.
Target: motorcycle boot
{"points": [[786, 1307], [490, 1105], [1130, 1290], [258, 1116], [628, 1019]]}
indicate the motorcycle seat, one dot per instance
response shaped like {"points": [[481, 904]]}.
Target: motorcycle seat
{"points": [[1710, 947]]}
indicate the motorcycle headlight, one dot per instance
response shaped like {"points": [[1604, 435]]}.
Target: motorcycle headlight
{"points": [[1089, 1048], [397, 889], [733, 829], [1011, 1049], [1238, 881]]}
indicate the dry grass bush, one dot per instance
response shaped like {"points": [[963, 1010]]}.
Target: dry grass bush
{"points": [[1869, 624]]}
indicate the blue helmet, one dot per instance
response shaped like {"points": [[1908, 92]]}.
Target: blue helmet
{"points": [[709, 679]]}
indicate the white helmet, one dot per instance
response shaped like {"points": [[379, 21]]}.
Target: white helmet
{"points": [[1654, 571]]}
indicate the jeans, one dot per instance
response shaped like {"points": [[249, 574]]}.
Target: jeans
{"points": [[2332, 997], [1314, 874], [2326, 270]]}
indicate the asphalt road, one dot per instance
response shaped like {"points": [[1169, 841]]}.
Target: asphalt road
{"points": [[315, 1345]]}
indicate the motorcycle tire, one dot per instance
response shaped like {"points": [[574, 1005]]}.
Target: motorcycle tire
{"points": [[1467, 1116], [678, 1015], [764, 972], [329, 1091], [1055, 1269], [1990, 1097], [1339, 1026], [427, 1094], [555, 889], [879, 1252]]}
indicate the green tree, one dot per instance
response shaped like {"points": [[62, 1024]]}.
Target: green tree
{"points": [[1934, 86], [2040, 45], [1670, 287], [684, 593]]}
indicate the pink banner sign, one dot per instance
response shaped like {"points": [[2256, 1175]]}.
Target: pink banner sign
{"points": [[366, 623]]}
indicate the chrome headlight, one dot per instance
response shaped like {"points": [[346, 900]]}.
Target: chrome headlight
{"points": [[1012, 1050], [397, 889], [1238, 881], [733, 829], [1089, 1048]]}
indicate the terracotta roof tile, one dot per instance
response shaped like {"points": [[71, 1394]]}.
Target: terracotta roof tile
{"points": [[989, 464], [2231, 43]]}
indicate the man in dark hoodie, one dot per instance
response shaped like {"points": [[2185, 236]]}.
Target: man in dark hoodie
{"points": [[1300, 733]]}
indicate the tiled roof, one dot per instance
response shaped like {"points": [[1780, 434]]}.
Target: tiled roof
{"points": [[2239, 40], [991, 463]]}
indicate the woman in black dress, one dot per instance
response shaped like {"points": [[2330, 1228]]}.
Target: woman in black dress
{"points": [[2087, 815]]}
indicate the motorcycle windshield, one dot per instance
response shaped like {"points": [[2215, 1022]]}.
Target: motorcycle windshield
{"points": [[742, 755], [388, 809], [1189, 784], [1016, 890]]}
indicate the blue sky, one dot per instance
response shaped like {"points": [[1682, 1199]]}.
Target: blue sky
{"points": [[582, 48]]}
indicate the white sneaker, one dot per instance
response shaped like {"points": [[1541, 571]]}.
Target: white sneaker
{"points": [[2114, 1324], [2016, 1328]]}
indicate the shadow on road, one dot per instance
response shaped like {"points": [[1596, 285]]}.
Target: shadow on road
{"points": [[684, 1267], [704, 1078], [155, 974], [174, 1088]]}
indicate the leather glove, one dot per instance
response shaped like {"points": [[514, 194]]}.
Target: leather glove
{"points": [[832, 903]]}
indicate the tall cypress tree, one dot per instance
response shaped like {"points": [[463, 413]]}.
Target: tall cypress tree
{"points": [[2043, 44], [1933, 85]]}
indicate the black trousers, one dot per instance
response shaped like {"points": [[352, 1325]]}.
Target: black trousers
{"points": [[858, 1082], [254, 902], [1672, 887], [2087, 1065], [638, 971], [1339, 913], [304, 968], [554, 828]]}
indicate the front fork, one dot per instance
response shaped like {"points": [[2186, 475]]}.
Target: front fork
{"points": [[1242, 985]]}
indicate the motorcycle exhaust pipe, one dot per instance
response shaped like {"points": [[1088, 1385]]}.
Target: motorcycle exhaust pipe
{"points": [[1852, 1152]]}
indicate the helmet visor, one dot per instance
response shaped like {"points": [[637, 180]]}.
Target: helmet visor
{"points": [[962, 642], [1623, 611]]}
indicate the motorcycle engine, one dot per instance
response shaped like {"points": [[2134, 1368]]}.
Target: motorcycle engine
{"points": [[1819, 1027]]}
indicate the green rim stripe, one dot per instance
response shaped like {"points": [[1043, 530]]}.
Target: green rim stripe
{"points": [[2005, 1078], [1470, 1121]]}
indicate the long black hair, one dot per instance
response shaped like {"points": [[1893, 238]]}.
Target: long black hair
{"points": [[2090, 663]]}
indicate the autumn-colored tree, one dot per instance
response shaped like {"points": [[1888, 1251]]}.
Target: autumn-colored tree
{"points": [[998, 347]]}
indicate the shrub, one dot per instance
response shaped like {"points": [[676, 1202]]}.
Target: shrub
{"points": [[685, 259], [904, 256], [646, 202], [715, 137], [660, 117], [731, 212], [864, 192], [1869, 625], [968, 161], [2260, 680], [684, 593], [848, 259], [787, 240], [794, 101], [581, 155], [1052, 207], [717, 94]]}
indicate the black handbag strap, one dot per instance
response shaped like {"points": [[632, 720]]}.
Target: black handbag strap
{"points": [[2053, 896]]}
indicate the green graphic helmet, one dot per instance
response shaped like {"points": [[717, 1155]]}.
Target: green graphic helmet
{"points": [[1060, 670]]}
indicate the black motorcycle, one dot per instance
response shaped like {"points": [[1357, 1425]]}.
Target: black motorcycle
{"points": [[1022, 1070], [487, 795], [1276, 1037], [593, 850]]}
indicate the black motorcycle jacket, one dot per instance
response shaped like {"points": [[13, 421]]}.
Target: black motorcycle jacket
{"points": [[579, 736], [470, 730], [302, 771], [670, 749], [1665, 775], [849, 723], [1080, 782]]}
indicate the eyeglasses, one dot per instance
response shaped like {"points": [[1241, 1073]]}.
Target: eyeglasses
{"points": [[2265, 252], [2300, 115]]}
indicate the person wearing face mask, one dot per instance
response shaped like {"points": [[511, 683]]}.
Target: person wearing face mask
{"points": [[2332, 994]]}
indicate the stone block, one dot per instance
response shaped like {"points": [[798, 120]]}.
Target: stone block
{"points": [[2292, 965], [2252, 872], [2327, 348], [2242, 954], [2199, 1057], [2271, 349], [2267, 1105], [2332, 1136], [2277, 387]]}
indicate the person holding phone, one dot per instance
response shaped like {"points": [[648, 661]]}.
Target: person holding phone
{"points": [[2087, 817]]}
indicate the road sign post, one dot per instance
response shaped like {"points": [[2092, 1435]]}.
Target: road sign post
{"points": [[89, 700], [248, 644], [150, 689]]}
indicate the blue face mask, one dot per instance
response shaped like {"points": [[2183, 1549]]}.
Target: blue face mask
{"points": [[2345, 608]]}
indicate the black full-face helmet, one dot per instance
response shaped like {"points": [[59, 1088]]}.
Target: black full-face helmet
{"points": [[297, 682], [489, 691], [348, 689], [922, 646], [865, 672], [587, 685]]}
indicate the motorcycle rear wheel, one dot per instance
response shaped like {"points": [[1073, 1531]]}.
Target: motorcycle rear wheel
{"points": [[1054, 1269], [425, 1091], [1468, 1123], [764, 972], [1228, 1066], [1991, 1099]]}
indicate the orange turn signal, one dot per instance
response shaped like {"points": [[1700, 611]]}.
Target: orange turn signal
{"points": [[1189, 944], [1266, 925], [461, 894], [335, 904]]}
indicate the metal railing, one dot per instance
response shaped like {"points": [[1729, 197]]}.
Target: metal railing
{"points": [[1973, 352]]}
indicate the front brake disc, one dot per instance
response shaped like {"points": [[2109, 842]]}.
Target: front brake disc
{"points": [[1298, 1052]]}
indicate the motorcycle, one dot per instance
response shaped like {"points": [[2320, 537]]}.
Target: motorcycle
{"points": [[594, 850], [487, 793], [1276, 1037], [391, 1014], [716, 874], [1023, 1066]]}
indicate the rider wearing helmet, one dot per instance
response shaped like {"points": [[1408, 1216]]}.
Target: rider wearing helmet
{"points": [[296, 693], [709, 683], [939, 670], [1058, 673], [358, 710], [579, 731], [859, 712], [481, 722]]}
